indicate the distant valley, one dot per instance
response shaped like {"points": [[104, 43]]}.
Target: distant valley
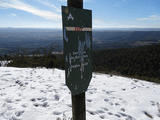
{"points": [[13, 40]]}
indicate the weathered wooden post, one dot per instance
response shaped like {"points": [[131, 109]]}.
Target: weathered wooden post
{"points": [[77, 39], [78, 101]]}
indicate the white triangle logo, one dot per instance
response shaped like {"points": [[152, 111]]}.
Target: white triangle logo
{"points": [[70, 17]]}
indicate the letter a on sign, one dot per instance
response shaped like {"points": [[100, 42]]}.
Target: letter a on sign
{"points": [[77, 39], [70, 17]]}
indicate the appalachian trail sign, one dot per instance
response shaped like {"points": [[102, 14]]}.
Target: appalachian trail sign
{"points": [[77, 39]]}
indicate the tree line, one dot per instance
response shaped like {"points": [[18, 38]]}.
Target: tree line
{"points": [[139, 62]]}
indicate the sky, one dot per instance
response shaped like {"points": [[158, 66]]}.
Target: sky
{"points": [[106, 13]]}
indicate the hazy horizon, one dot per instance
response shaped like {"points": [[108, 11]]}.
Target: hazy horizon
{"points": [[114, 29]]}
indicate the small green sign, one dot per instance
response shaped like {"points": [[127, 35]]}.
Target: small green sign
{"points": [[77, 39]]}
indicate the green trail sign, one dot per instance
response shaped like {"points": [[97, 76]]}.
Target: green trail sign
{"points": [[77, 38]]}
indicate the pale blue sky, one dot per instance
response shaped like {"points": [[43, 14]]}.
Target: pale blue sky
{"points": [[106, 13]]}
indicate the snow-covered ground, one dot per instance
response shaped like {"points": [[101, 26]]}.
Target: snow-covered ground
{"points": [[40, 94]]}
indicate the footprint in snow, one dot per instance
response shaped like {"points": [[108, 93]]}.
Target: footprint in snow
{"points": [[102, 116], [19, 113], [12, 85], [117, 115], [45, 104], [9, 100], [19, 83], [133, 88], [105, 109], [100, 111], [33, 99], [153, 103], [24, 105], [42, 104], [123, 110], [109, 92], [17, 100], [43, 91], [89, 100], [106, 100], [109, 113], [111, 103], [123, 89], [26, 83], [56, 113], [91, 112], [56, 97], [42, 99], [128, 117], [117, 104], [36, 104]]}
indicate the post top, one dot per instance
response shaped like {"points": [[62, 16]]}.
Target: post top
{"points": [[75, 3]]}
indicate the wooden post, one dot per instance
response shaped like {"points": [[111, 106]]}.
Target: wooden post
{"points": [[78, 101], [75, 3], [79, 107]]}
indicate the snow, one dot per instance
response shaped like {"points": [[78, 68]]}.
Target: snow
{"points": [[40, 94], [4, 63]]}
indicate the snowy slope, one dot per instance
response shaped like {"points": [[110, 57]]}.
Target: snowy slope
{"points": [[40, 94]]}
